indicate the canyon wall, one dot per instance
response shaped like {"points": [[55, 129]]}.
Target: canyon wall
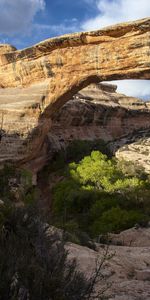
{"points": [[97, 112]]}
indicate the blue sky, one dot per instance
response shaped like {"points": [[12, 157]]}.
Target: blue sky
{"points": [[26, 22]]}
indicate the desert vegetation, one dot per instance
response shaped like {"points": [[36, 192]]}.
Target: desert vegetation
{"points": [[98, 195], [34, 264]]}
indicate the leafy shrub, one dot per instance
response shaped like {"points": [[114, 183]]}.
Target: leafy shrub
{"points": [[30, 195], [34, 264], [94, 190], [5, 212], [102, 173], [104, 203], [26, 178], [16, 184], [5, 174], [115, 220], [129, 168], [75, 151]]}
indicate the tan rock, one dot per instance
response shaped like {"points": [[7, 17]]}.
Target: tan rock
{"points": [[97, 112], [143, 274], [6, 48], [129, 269], [133, 237], [137, 152], [37, 81]]}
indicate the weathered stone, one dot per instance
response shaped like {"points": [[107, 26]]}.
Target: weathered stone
{"points": [[129, 268], [143, 274], [6, 48], [37, 81], [97, 112], [133, 237], [137, 152]]}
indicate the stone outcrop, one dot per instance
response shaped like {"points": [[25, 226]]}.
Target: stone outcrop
{"points": [[137, 152], [127, 272], [133, 237], [126, 268], [6, 48], [37, 81]]}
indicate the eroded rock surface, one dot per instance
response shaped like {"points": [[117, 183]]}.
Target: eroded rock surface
{"points": [[133, 237], [6, 48], [97, 112], [138, 152], [37, 81], [128, 271]]}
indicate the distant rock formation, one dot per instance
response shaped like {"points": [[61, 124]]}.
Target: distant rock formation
{"points": [[97, 112], [37, 81]]}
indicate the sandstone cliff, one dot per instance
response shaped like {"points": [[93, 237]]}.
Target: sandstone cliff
{"points": [[97, 112], [37, 81]]}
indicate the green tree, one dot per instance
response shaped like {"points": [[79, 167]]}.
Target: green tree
{"points": [[96, 189], [115, 220]]}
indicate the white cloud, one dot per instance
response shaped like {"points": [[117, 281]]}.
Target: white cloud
{"points": [[17, 15], [134, 88], [116, 11], [68, 26]]}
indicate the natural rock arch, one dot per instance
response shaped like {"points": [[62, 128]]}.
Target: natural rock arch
{"points": [[37, 81]]}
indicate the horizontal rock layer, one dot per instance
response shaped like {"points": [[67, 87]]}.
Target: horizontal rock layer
{"points": [[96, 113]]}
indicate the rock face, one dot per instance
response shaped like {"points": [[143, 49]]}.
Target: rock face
{"points": [[127, 272], [138, 151], [133, 237], [6, 48], [37, 81], [97, 112]]}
